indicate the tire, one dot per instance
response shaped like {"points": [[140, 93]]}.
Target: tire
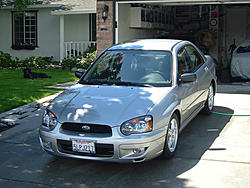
{"points": [[209, 105], [171, 139]]}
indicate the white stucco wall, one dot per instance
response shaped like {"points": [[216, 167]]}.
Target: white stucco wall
{"points": [[48, 35], [76, 27], [5, 30], [126, 33]]}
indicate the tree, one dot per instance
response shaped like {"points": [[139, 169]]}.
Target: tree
{"points": [[19, 5]]}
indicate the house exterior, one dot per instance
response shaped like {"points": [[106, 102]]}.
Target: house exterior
{"points": [[58, 28], [213, 25]]}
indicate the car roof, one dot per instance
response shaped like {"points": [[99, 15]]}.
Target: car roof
{"points": [[147, 44]]}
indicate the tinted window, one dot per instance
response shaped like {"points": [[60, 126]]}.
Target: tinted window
{"points": [[184, 65], [194, 57]]}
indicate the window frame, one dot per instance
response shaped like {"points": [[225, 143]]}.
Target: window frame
{"points": [[24, 46]]}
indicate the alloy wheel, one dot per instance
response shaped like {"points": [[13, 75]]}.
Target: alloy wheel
{"points": [[172, 136]]}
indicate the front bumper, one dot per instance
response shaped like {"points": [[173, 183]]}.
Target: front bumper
{"points": [[115, 148]]}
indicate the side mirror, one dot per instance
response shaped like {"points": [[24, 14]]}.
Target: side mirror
{"points": [[79, 73], [188, 77]]}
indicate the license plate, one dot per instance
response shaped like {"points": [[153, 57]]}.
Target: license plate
{"points": [[83, 146]]}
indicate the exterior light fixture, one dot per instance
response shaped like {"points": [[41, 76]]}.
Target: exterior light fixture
{"points": [[105, 12]]}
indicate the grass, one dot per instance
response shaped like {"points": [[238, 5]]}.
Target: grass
{"points": [[15, 90]]}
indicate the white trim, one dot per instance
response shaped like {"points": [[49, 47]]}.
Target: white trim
{"points": [[44, 6], [70, 12], [61, 37], [116, 19], [34, 6]]}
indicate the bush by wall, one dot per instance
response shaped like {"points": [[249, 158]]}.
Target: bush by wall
{"points": [[5, 60], [82, 62], [33, 62]]}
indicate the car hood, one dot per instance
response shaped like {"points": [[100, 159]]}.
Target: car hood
{"points": [[111, 105]]}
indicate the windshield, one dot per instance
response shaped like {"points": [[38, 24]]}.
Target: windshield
{"points": [[131, 67]]}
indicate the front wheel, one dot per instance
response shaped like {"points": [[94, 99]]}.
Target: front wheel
{"points": [[171, 140], [209, 105]]}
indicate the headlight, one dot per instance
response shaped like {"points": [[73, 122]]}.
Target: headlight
{"points": [[141, 124], [49, 120]]}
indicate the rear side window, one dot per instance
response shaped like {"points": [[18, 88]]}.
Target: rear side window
{"points": [[194, 57], [184, 65]]}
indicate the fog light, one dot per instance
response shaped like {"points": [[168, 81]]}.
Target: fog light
{"points": [[47, 145], [138, 150], [132, 152]]}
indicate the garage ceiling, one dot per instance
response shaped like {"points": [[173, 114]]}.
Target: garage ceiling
{"points": [[187, 2]]}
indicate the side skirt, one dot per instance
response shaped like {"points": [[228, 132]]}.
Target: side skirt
{"points": [[185, 123]]}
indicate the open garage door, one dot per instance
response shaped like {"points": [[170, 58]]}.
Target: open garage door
{"points": [[196, 23], [211, 25]]}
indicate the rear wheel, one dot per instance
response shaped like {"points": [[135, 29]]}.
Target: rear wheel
{"points": [[209, 105], [171, 140]]}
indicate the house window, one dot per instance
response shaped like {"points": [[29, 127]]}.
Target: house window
{"points": [[24, 30]]}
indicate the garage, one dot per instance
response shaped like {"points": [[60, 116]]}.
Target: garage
{"points": [[216, 27]]}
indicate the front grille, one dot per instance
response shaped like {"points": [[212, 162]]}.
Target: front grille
{"points": [[78, 127], [102, 150]]}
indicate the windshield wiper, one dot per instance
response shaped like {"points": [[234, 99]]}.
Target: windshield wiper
{"points": [[95, 82], [131, 84], [118, 83]]}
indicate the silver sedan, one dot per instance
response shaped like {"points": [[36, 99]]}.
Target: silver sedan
{"points": [[132, 103]]}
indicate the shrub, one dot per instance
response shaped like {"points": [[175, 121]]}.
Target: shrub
{"points": [[85, 61], [82, 62], [5, 60], [90, 49], [33, 62], [69, 62]]}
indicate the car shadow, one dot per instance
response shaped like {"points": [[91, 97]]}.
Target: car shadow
{"points": [[195, 140]]}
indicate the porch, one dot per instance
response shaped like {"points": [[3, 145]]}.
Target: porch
{"points": [[77, 30], [76, 48]]}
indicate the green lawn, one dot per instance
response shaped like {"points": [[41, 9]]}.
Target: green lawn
{"points": [[15, 90]]}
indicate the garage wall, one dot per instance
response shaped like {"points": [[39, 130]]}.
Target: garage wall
{"points": [[236, 26], [124, 32]]}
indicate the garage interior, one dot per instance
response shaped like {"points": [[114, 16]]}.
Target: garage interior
{"points": [[215, 28]]}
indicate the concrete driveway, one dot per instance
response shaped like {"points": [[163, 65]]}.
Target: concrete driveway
{"points": [[214, 151]]}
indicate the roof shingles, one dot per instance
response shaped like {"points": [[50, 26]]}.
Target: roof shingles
{"points": [[64, 4]]}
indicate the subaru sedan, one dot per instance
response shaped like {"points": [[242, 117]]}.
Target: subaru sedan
{"points": [[131, 103]]}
